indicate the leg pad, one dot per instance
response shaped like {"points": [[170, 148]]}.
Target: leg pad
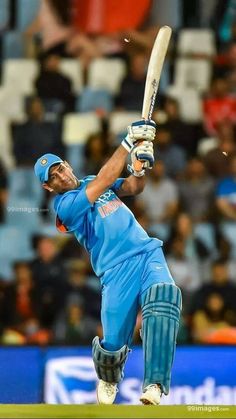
{"points": [[109, 365], [161, 308]]}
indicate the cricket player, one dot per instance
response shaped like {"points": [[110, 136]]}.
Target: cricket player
{"points": [[129, 263]]}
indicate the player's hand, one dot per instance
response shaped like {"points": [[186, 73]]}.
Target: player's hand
{"points": [[137, 131], [144, 153], [142, 157]]}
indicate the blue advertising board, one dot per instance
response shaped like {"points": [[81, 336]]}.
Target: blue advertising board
{"points": [[20, 375], [66, 375], [200, 375]]}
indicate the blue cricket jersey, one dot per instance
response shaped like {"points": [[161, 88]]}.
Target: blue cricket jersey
{"points": [[106, 228], [226, 188]]}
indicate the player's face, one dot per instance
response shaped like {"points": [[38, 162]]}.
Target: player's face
{"points": [[61, 178]]}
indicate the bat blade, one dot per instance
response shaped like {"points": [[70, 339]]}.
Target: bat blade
{"points": [[155, 65]]}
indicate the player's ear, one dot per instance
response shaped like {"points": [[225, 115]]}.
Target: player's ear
{"points": [[45, 186]]}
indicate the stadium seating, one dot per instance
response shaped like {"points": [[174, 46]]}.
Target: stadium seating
{"points": [[5, 141], [23, 212], [12, 45], [15, 244], [196, 41], [106, 73], [72, 69], [189, 102], [98, 100], [119, 120], [24, 184], [77, 127], [12, 104], [75, 156], [20, 74], [192, 73]]}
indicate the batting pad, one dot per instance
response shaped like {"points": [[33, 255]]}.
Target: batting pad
{"points": [[160, 312], [109, 365]]}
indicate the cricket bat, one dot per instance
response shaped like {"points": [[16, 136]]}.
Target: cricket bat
{"points": [[155, 66]]}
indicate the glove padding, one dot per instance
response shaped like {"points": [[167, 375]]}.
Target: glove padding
{"points": [[142, 154], [140, 130]]}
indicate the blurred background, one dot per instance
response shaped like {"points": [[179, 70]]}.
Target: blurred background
{"points": [[72, 78]]}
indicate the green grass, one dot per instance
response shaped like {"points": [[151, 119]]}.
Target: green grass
{"points": [[115, 411]]}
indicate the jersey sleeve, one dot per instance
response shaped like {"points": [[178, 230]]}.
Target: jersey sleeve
{"points": [[72, 209], [117, 184], [222, 189]]}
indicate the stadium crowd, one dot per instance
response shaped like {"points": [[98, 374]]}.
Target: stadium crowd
{"points": [[48, 291]]}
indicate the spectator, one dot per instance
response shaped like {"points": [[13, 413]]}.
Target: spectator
{"points": [[20, 302], [96, 152], [160, 196], [224, 253], [111, 17], [224, 145], [183, 135], [3, 190], [225, 135], [69, 249], [194, 248], [101, 27], [80, 286], [21, 308], [226, 63], [214, 323], [131, 93], [73, 327], [226, 193], [53, 24], [35, 136], [51, 84], [219, 284], [196, 191], [183, 268], [50, 278], [139, 209], [172, 155], [226, 16], [219, 105]]}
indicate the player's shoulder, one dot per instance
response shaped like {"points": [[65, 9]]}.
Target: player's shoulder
{"points": [[88, 178], [65, 198], [63, 201]]}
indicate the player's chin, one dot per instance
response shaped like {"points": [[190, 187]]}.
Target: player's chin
{"points": [[68, 187]]}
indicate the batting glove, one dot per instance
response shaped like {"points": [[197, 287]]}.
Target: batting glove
{"points": [[140, 130], [142, 157]]}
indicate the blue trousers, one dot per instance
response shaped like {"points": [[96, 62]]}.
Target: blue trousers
{"points": [[123, 291]]}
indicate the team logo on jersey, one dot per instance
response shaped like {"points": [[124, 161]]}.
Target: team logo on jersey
{"points": [[43, 162]]}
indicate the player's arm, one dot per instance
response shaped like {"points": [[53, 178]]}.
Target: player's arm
{"points": [[225, 208], [132, 185], [114, 166], [108, 174]]}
